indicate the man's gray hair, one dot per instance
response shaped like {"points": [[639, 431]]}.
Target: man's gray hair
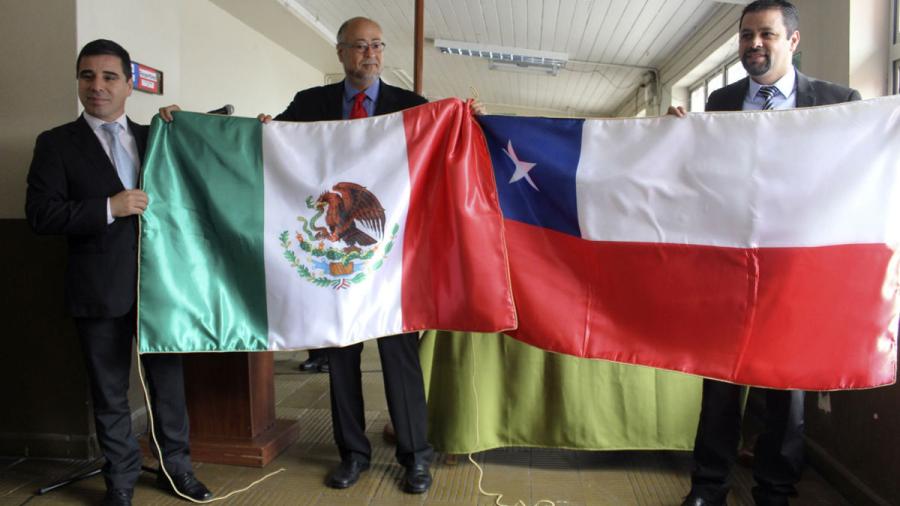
{"points": [[345, 24]]}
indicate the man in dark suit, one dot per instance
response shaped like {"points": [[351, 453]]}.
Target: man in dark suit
{"points": [[769, 36], [361, 94], [83, 184]]}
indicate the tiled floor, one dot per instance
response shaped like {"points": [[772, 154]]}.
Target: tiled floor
{"points": [[528, 475]]}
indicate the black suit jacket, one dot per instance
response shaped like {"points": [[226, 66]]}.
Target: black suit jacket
{"points": [[324, 103], [810, 92], [69, 181]]}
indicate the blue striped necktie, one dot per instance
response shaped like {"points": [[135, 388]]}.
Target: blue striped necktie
{"points": [[768, 92], [125, 166]]}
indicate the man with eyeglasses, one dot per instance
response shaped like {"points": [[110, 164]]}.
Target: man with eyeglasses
{"points": [[361, 94]]}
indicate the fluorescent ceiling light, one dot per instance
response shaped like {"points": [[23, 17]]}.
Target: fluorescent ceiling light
{"points": [[550, 62], [550, 70]]}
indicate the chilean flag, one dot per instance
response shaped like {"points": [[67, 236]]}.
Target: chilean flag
{"points": [[754, 247]]}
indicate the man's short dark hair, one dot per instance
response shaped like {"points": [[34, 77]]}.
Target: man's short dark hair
{"points": [[788, 11], [104, 46]]}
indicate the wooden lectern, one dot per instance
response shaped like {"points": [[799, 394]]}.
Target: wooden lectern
{"points": [[231, 404]]}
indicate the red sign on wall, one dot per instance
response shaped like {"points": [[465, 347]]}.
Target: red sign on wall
{"points": [[147, 79]]}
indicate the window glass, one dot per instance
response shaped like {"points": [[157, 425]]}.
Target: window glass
{"points": [[896, 77], [715, 82], [896, 21], [698, 99], [895, 48], [735, 72]]}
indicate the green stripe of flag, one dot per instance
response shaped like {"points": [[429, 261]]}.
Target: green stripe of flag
{"points": [[202, 278]]}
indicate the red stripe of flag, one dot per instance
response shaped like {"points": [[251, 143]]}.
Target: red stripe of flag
{"points": [[455, 274], [804, 318]]}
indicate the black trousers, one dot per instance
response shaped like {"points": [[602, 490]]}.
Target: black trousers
{"points": [[778, 454], [107, 347], [405, 391]]}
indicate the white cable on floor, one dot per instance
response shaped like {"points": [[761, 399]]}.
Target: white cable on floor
{"points": [[159, 452]]}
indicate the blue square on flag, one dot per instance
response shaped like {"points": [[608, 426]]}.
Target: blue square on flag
{"points": [[535, 161]]}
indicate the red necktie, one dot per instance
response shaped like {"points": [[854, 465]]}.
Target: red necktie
{"points": [[358, 111]]}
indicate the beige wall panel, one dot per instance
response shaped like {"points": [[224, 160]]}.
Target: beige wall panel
{"points": [[37, 86]]}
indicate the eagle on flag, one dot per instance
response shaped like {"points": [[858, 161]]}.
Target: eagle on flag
{"points": [[348, 207]]}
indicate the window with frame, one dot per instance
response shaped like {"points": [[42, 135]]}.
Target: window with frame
{"points": [[896, 77], [896, 21], [895, 48], [719, 77]]}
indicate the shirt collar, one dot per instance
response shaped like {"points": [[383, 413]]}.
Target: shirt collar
{"points": [[95, 122], [371, 92], [785, 85]]}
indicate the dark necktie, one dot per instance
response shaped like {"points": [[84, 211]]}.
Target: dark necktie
{"points": [[768, 93], [358, 111]]}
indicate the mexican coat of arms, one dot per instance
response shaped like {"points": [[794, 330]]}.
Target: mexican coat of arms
{"points": [[348, 246]]}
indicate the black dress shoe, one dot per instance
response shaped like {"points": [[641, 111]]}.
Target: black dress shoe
{"points": [[310, 364], [417, 479], [346, 473], [696, 500], [314, 364], [118, 497], [763, 497], [186, 483]]}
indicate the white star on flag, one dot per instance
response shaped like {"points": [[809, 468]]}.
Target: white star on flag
{"points": [[522, 168]]}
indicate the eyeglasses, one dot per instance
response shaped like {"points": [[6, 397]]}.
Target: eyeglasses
{"points": [[362, 47]]}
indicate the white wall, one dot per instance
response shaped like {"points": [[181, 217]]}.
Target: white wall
{"points": [[847, 42], [235, 65], [208, 57], [870, 34], [149, 31], [825, 39]]}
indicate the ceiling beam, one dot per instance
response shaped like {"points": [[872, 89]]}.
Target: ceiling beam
{"points": [[274, 21]]}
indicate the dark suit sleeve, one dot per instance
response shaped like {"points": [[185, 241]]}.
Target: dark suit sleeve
{"points": [[729, 98], [48, 207], [828, 93], [292, 113]]}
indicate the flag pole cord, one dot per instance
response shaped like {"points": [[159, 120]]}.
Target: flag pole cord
{"points": [[150, 424], [496, 495], [159, 453]]}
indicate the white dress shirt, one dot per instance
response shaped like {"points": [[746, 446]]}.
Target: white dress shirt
{"points": [[786, 98], [125, 137]]}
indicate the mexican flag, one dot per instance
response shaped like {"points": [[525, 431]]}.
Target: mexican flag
{"points": [[307, 235]]}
